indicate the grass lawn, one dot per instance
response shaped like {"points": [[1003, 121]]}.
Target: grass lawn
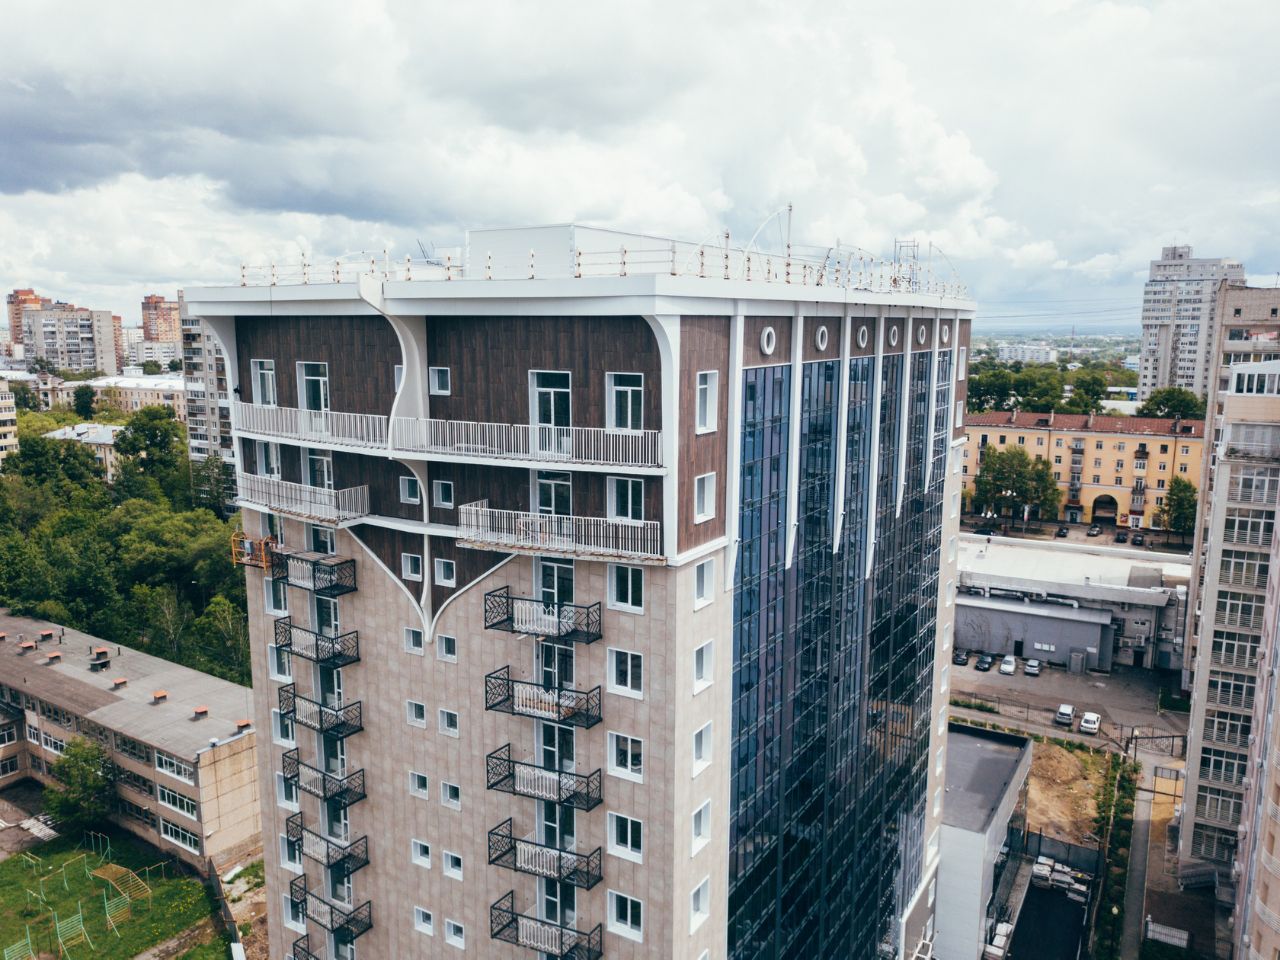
{"points": [[178, 901]]}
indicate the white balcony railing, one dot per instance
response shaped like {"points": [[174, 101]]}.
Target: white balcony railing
{"points": [[291, 423], [1266, 914], [479, 525], [1238, 618], [300, 500], [520, 441]]}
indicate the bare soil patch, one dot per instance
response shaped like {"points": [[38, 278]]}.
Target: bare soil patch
{"points": [[1062, 798]]}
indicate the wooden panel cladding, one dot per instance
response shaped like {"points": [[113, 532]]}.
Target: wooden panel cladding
{"points": [[862, 336], [822, 338], [362, 354], [704, 345], [752, 332], [895, 334], [389, 545], [960, 338], [469, 565], [383, 479], [490, 358]]}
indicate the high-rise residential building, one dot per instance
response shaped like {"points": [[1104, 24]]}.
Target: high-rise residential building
{"points": [[204, 375], [8, 420], [70, 337], [1178, 315], [14, 303], [1231, 820], [160, 320], [599, 588], [117, 336]]}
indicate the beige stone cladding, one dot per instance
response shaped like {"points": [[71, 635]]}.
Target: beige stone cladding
{"points": [[228, 785]]}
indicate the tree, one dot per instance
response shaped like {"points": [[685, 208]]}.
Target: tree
{"points": [[153, 445], [990, 390], [24, 398], [1087, 393], [1171, 402], [87, 785], [175, 365], [1010, 483], [209, 483], [1178, 512], [82, 401], [151, 367]]}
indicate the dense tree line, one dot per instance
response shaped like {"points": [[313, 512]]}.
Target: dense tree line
{"points": [[1039, 387], [134, 561]]}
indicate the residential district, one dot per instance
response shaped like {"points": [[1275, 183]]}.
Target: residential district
{"points": [[631, 609]]}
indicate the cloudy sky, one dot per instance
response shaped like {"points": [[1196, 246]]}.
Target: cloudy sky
{"points": [[1048, 147]]}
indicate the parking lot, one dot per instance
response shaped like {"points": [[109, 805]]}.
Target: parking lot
{"points": [[1079, 533]]}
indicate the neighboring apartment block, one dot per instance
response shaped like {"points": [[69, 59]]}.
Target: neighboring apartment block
{"points": [[15, 303], [181, 740], [8, 421], [131, 393], [204, 377], [1109, 469], [160, 319], [1026, 353], [70, 337], [156, 351], [1178, 320], [598, 598], [100, 438]]}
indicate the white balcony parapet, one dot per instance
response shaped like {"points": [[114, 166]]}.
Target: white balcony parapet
{"points": [[1266, 914], [481, 526], [520, 441], [326, 426], [300, 500]]}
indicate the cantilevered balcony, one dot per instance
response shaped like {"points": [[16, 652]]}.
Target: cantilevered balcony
{"points": [[596, 538], [575, 708], [469, 440], [331, 651], [362, 430], [323, 574], [540, 860], [340, 721], [580, 791], [301, 950], [343, 791], [560, 621], [303, 502], [343, 923], [247, 551], [344, 858], [563, 943]]}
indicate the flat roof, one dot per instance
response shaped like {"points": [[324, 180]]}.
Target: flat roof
{"points": [[981, 766], [1086, 423], [1052, 611], [71, 685], [1070, 563]]}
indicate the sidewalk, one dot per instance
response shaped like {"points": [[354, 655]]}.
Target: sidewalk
{"points": [[1135, 888]]}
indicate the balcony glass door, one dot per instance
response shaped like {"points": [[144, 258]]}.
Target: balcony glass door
{"points": [[330, 686], [319, 469], [555, 746], [313, 399], [333, 750], [550, 414], [559, 902], [326, 617], [555, 665]]}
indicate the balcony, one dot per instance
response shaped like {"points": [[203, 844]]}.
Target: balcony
{"points": [[560, 621], [302, 950], [343, 791], [343, 858], [468, 440], [582, 792], [1246, 659], [323, 574], [1216, 814], [316, 647], [522, 699], [361, 430], [340, 721], [1238, 618], [1226, 737], [516, 531], [1265, 914], [247, 551], [303, 502], [563, 943], [344, 924], [540, 860], [1229, 698]]}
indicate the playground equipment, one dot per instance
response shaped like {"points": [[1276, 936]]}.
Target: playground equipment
{"points": [[118, 909], [22, 950], [99, 844], [31, 861], [71, 932], [126, 882]]}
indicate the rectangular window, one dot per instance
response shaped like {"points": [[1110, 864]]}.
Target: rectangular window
{"points": [[701, 749], [398, 376], [420, 853], [440, 381], [291, 854], [455, 934], [446, 573], [452, 865], [411, 566], [286, 792], [442, 494], [180, 835], [178, 769], [703, 576], [626, 673], [626, 588], [413, 640], [625, 499], [626, 401], [704, 497], [263, 375], [701, 826], [319, 466], [626, 757], [410, 492], [700, 904], [447, 648], [626, 838], [423, 921], [708, 401], [702, 667], [448, 720], [275, 595], [281, 729], [267, 457], [418, 784], [295, 914], [962, 363], [8, 766], [451, 795], [626, 916], [176, 801], [280, 663], [415, 713]]}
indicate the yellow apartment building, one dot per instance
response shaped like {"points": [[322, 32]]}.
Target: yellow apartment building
{"points": [[1109, 469]]}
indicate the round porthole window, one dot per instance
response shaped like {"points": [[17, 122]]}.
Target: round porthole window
{"points": [[893, 336], [862, 338], [820, 337], [768, 340], [946, 334], [920, 335]]}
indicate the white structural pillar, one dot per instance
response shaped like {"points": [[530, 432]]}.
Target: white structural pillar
{"points": [[842, 425], [733, 475]]}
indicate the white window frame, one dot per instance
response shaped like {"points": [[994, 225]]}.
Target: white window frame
{"points": [[446, 800], [407, 487], [700, 839], [700, 895], [701, 744], [277, 730], [282, 793], [624, 773], [424, 921], [446, 572], [266, 457], [704, 491], [617, 850], [262, 372], [441, 652], [708, 660], [174, 767], [293, 866], [175, 800], [610, 388], [407, 564], [452, 872], [416, 857], [708, 386], [612, 657], [439, 381], [417, 649], [268, 597], [410, 712], [288, 915], [624, 930], [442, 494], [635, 493], [423, 791], [633, 574], [704, 575], [176, 833], [455, 934], [274, 655], [443, 724]]}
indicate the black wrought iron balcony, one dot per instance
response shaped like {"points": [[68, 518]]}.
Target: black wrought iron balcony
{"points": [[342, 790], [343, 858], [340, 721], [321, 573], [562, 621], [581, 791], [343, 923], [541, 860], [563, 943], [316, 647], [301, 950], [575, 708]]}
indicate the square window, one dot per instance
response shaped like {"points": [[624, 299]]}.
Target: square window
{"points": [[701, 826], [448, 720], [703, 576], [411, 566], [415, 713], [418, 784], [410, 491], [452, 865], [701, 749], [704, 497], [442, 494], [702, 666], [446, 573], [626, 757], [626, 673], [423, 922], [420, 853], [708, 401], [413, 640], [455, 934], [451, 795], [440, 381], [447, 648], [700, 904], [626, 916], [626, 838]]}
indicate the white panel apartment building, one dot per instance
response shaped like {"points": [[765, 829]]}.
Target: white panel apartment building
{"points": [[70, 337], [1178, 320]]}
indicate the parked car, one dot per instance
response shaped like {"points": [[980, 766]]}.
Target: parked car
{"points": [[1062, 532], [960, 657], [1066, 715], [985, 663], [1031, 668], [1122, 536], [1009, 666], [1090, 723], [1095, 531], [985, 531], [1139, 539]]}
